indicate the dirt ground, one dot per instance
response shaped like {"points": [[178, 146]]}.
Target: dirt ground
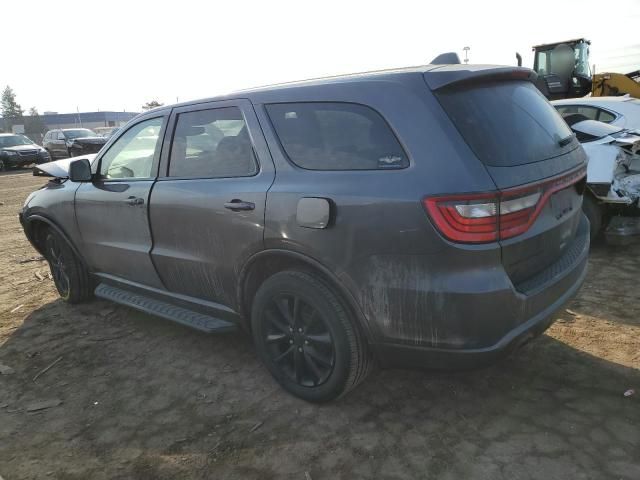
{"points": [[132, 396]]}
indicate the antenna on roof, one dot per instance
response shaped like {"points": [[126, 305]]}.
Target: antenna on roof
{"points": [[447, 58]]}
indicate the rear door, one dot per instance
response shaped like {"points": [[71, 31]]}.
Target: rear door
{"points": [[207, 208], [112, 211], [58, 145]]}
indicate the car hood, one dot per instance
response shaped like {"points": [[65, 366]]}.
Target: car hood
{"points": [[20, 148], [59, 168]]}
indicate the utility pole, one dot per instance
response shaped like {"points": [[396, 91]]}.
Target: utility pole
{"points": [[466, 54]]}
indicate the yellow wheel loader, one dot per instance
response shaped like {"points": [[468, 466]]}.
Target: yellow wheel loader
{"points": [[563, 72]]}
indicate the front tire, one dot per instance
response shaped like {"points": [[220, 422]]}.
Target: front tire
{"points": [[306, 337], [70, 276]]}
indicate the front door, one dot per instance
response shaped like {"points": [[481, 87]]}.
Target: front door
{"points": [[112, 211], [207, 207]]}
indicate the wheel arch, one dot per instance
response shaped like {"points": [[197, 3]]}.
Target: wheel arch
{"points": [[35, 226], [266, 263]]}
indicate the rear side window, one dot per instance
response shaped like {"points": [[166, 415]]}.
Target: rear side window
{"points": [[507, 123], [336, 136], [606, 117], [212, 143]]}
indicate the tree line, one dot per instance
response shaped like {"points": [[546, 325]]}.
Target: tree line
{"points": [[13, 114]]}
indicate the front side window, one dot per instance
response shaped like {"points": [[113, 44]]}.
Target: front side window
{"points": [[336, 136], [60, 136], [212, 143], [131, 156]]}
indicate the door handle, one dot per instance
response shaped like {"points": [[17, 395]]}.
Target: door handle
{"points": [[133, 201], [238, 205]]}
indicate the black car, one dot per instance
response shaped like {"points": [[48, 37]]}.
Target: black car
{"points": [[17, 151], [71, 142], [428, 216]]}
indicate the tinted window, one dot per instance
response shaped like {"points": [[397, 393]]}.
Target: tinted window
{"points": [[506, 123], [336, 136], [212, 143], [131, 156], [79, 133]]}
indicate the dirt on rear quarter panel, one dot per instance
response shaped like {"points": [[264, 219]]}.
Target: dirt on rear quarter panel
{"points": [[138, 397]]}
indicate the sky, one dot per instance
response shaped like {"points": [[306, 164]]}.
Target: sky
{"points": [[116, 55]]}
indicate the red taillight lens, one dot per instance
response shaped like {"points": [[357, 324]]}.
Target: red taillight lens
{"points": [[487, 217]]}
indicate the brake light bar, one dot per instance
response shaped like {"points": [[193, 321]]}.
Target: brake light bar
{"points": [[491, 216]]}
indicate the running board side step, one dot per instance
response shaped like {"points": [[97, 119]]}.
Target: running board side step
{"points": [[199, 321]]}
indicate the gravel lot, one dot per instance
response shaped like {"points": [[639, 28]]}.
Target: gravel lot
{"points": [[132, 396]]}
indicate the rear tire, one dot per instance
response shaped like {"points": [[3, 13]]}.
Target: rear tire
{"points": [[70, 276], [595, 213], [306, 337]]}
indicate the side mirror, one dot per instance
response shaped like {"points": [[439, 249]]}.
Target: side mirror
{"points": [[80, 170]]}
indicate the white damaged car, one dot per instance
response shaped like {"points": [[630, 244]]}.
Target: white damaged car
{"points": [[612, 200]]}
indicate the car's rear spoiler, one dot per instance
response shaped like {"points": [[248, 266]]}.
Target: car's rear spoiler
{"points": [[459, 75]]}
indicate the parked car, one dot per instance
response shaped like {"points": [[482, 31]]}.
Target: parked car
{"points": [[18, 151], [619, 111], [71, 142], [612, 200], [376, 216]]}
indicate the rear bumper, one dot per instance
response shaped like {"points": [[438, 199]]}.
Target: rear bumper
{"points": [[529, 314]]}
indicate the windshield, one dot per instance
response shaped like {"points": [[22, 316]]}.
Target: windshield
{"points": [[79, 133], [14, 140], [564, 60], [581, 52], [507, 123]]}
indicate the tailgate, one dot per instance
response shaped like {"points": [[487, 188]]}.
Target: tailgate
{"points": [[525, 145]]}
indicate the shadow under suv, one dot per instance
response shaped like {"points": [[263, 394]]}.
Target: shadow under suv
{"points": [[423, 217]]}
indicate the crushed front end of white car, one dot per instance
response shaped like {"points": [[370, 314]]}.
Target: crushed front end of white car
{"points": [[613, 178]]}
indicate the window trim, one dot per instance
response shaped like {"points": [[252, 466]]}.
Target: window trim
{"points": [[156, 156], [284, 153], [199, 108]]}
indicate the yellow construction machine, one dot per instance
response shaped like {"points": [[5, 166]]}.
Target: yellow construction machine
{"points": [[564, 72]]}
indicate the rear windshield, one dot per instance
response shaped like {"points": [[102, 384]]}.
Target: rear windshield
{"points": [[507, 123]]}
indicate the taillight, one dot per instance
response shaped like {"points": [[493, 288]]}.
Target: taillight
{"points": [[488, 217]]}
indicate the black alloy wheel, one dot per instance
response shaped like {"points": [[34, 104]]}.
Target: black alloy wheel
{"points": [[298, 340], [307, 337], [57, 263]]}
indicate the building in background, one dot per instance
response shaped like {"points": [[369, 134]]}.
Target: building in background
{"points": [[86, 119]]}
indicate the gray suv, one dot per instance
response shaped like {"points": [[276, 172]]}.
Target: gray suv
{"points": [[425, 217]]}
